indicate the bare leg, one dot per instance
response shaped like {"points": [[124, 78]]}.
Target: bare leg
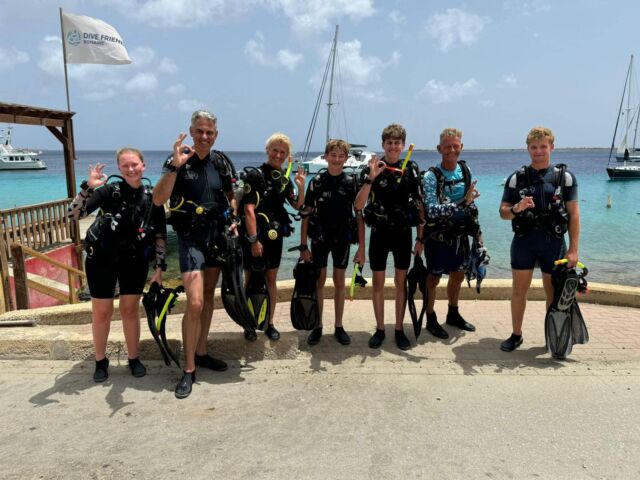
{"points": [[453, 287], [432, 283], [210, 278], [521, 284], [131, 323], [400, 282], [378, 298], [193, 285], [339, 294], [320, 291], [272, 287], [101, 312], [548, 288]]}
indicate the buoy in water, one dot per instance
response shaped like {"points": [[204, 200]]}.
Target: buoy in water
{"points": [[609, 201]]}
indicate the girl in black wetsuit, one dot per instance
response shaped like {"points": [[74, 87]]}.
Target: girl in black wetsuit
{"points": [[128, 232]]}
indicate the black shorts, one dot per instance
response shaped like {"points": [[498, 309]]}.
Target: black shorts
{"points": [[383, 241], [196, 255], [103, 273], [444, 258], [537, 248], [271, 251], [339, 252]]}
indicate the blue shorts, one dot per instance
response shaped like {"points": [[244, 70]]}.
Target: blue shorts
{"points": [[195, 255], [444, 258], [537, 248]]}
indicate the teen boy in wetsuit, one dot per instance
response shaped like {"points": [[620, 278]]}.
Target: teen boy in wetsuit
{"points": [[119, 245], [332, 227], [446, 242], [266, 221], [541, 211], [197, 177], [395, 205]]}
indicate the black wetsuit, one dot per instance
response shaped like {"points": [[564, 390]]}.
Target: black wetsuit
{"points": [[269, 192], [200, 183], [118, 250], [332, 227], [391, 212], [539, 242]]}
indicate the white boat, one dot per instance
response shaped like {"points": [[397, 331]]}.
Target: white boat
{"points": [[17, 158], [358, 156], [628, 150]]}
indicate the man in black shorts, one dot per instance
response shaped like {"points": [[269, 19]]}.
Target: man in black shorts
{"points": [[198, 180], [332, 227], [541, 200], [393, 206]]}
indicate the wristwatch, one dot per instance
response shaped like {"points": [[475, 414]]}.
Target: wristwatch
{"points": [[368, 181], [171, 167], [252, 238], [513, 211]]}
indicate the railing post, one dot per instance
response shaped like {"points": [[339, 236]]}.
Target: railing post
{"points": [[5, 292], [72, 287], [20, 277]]}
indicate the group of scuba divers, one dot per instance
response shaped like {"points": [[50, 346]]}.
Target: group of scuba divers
{"points": [[234, 222]]}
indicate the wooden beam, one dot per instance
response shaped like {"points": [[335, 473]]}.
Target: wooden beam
{"points": [[50, 260], [20, 277], [47, 290]]}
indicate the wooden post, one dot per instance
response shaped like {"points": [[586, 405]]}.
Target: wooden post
{"points": [[5, 292], [20, 277]]}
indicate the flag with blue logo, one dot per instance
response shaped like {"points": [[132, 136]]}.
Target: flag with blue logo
{"points": [[89, 40]]}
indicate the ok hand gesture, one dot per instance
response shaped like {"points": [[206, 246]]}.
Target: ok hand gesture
{"points": [[181, 153], [97, 177]]}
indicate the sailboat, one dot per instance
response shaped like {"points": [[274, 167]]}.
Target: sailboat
{"points": [[358, 155], [626, 152]]}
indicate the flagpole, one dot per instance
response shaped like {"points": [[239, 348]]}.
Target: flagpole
{"points": [[64, 60]]}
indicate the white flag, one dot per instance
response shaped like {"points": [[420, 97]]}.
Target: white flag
{"points": [[89, 40]]}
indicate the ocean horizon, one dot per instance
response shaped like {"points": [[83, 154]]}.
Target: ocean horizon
{"points": [[607, 244]]}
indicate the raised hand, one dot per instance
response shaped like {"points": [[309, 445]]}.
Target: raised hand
{"points": [[472, 193], [181, 153], [97, 177], [376, 166], [300, 177]]}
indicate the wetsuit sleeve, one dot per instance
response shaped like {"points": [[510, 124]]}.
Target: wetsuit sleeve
{"points": [[165, 165], [227, 180], [432, 205], [364, 173], [509, 194], [570, 193], [159, 220], [310, 196], [100, 198], [78, 207], [290, 194], [416, 189]]}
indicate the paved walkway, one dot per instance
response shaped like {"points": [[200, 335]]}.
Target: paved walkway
{"points": [[454, 409]]}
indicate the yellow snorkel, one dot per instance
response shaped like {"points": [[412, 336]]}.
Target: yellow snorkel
{"points": [[406, 160], [287, 174]]}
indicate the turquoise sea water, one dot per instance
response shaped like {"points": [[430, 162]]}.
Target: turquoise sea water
{"points": [[609, 237]]}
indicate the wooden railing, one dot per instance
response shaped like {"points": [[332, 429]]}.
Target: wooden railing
{"points": [[36, 226], [22, 283]]}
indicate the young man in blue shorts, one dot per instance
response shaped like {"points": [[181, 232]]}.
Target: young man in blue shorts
{"points": [[541, 200]]}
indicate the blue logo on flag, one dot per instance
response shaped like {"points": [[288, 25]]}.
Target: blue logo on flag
{"points": [[74, 38]]}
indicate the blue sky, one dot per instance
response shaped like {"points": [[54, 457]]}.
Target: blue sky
{"points": [[492, 68]]}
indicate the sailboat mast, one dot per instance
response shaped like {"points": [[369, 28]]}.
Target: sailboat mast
{"points": [[624, 91], [330, 100]]}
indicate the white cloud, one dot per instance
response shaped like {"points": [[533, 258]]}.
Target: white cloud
{"points": [[317, 15], [100, 95], [528, 8], [455, 26], [189, 105], [10, 57], [486, 103], [396, 17], [177, 89], [509, 80], [167, 66], [141, 56], [439, 92], [142, 83], [50, 62], [255, 51]]}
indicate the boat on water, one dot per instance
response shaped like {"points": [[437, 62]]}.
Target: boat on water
{"points": [[17, 158], [628, 150], [358, 155], [627, 157]]}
